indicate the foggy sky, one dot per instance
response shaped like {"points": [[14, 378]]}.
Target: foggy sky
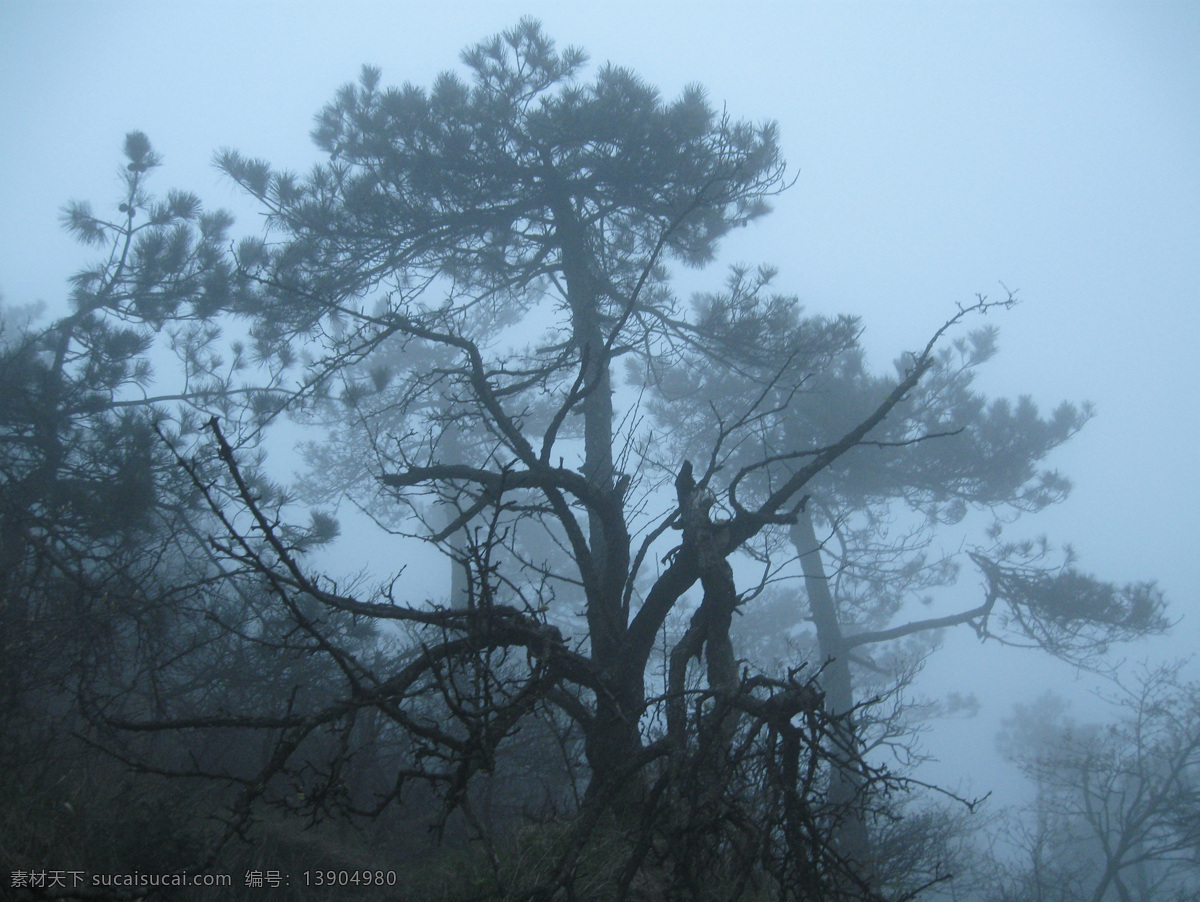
{"points": [[940, 149]]}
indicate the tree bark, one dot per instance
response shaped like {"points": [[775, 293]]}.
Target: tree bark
{"points": [[613, 736]]}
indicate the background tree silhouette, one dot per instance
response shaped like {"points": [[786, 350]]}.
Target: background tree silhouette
{"points": [[1117, 804]]}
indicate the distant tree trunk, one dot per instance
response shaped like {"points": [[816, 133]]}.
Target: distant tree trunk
{"points": [[451, 442], [459, 595], [850, 829]]}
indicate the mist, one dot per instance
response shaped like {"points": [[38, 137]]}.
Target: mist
{"points": [[814, 387]]}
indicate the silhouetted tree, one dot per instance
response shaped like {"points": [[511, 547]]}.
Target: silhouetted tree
{"points": [[108, 587], [874, 514], [1117, 810], [451, 293]]}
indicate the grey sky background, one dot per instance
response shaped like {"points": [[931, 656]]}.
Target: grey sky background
{"points": [[941, 149]]}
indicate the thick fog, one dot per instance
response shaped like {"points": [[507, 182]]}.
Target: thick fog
{"points": [[939, 151]]}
